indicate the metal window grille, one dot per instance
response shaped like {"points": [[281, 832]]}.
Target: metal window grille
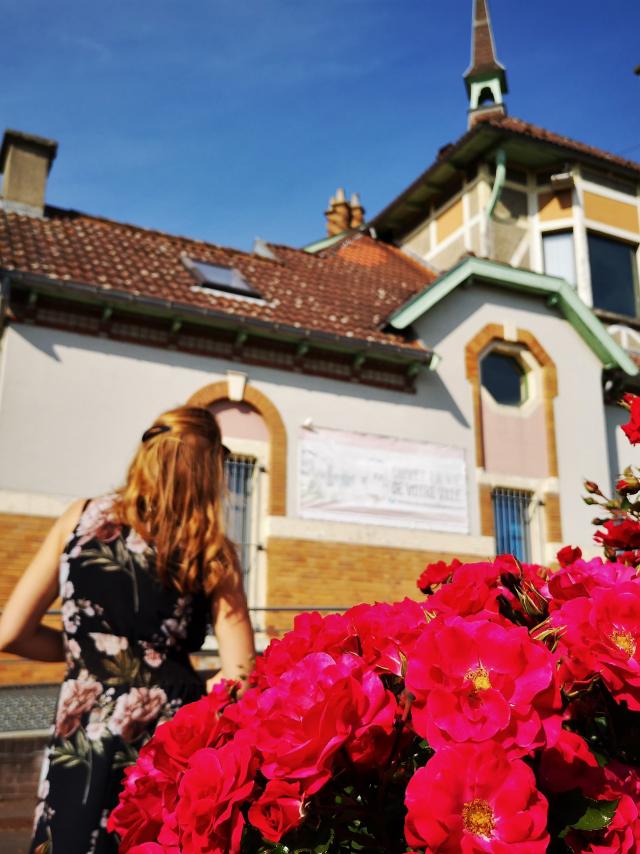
{"points": [[511, 515], [241, 510]]}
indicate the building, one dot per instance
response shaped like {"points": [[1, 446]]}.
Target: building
{"points": [[434, 382]]}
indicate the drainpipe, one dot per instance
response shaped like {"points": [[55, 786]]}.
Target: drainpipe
{"points": [[498, 184]]}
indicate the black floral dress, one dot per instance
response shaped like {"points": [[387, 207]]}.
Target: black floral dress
{"points": [[127, 639]]}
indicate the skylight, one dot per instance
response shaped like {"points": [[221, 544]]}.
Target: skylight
{"points": [[216, 277]]}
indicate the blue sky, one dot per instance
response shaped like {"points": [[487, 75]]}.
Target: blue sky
{"points": [[228, 119]]}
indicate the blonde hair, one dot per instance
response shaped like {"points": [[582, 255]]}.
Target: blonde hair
{"points": [[173, 499]]}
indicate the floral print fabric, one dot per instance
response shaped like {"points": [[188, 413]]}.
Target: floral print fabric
{"points": [[127, 640]]}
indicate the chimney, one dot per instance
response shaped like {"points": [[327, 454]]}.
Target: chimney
{"points": [[357, 211], [343, 215], [25, 161], [338, 213]]}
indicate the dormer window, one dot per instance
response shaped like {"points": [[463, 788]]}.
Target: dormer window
{"points": [[218, 278]]}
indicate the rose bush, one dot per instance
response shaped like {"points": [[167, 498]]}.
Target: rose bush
{"points": [[500, 713]]}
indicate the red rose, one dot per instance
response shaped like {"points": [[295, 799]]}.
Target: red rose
{"points": [[569, 555], [436, 573], [387, 632], [629, 484], [213, 789], [602, 637], [278, 809], [581, 578], [474, 589], [473, 798], [476, 680], [373, 717], [620, 534], [139, 814], [632, 427], [311, 633], [154, 848], [307, 719], [193, 727], [569, 764]]}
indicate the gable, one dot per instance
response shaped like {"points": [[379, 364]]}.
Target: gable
{"points": [[557, 293]]}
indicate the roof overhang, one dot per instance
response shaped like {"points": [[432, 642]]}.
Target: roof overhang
{"points": [[558, 293], [141, 304], [455, 161]]}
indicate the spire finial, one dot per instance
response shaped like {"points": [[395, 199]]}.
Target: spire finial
{"points": [[486, 78]]}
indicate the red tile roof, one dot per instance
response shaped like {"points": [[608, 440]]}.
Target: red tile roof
{"points": [[540, 134], [348, 291]]}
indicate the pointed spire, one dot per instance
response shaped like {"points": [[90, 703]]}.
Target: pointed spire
{"points": [[486, 78], [483, 50]]}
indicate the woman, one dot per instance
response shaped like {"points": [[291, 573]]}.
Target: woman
{"points": [[140, 574]]}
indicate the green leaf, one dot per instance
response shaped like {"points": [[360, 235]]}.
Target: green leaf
{"points": [[82, 744], [597, 816], [67, 761]]}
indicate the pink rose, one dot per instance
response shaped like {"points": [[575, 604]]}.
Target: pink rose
{"points": [[77, 696], [108, 643], [134, 710]]}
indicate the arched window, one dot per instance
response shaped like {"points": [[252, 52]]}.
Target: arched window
{"points": [[486, 96]]}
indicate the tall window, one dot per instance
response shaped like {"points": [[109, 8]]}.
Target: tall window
{"points": [[241, 510], [511, 517], [559, 255], [614, 274]]}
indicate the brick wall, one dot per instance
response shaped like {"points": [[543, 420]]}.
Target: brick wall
{"points": [[308, 573], [20, 763], [20, 538]]}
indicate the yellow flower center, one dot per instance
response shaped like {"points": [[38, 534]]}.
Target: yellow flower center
{"points": [[624, 640], [480, 678], [477, 818]]}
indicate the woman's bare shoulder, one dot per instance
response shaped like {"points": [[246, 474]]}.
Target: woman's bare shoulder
{"points": [[66, 523]]}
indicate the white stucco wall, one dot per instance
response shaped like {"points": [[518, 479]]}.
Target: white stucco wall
{"points": [[72, 408], [581, 432]]}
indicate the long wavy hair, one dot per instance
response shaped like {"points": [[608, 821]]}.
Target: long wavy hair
{"points": [[173, 498]]}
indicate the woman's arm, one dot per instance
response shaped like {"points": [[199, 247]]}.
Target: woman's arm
{"points": [[233, 629], [20, 630]]}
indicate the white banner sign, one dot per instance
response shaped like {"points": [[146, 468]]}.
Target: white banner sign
{"points": [[357, 477]]}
